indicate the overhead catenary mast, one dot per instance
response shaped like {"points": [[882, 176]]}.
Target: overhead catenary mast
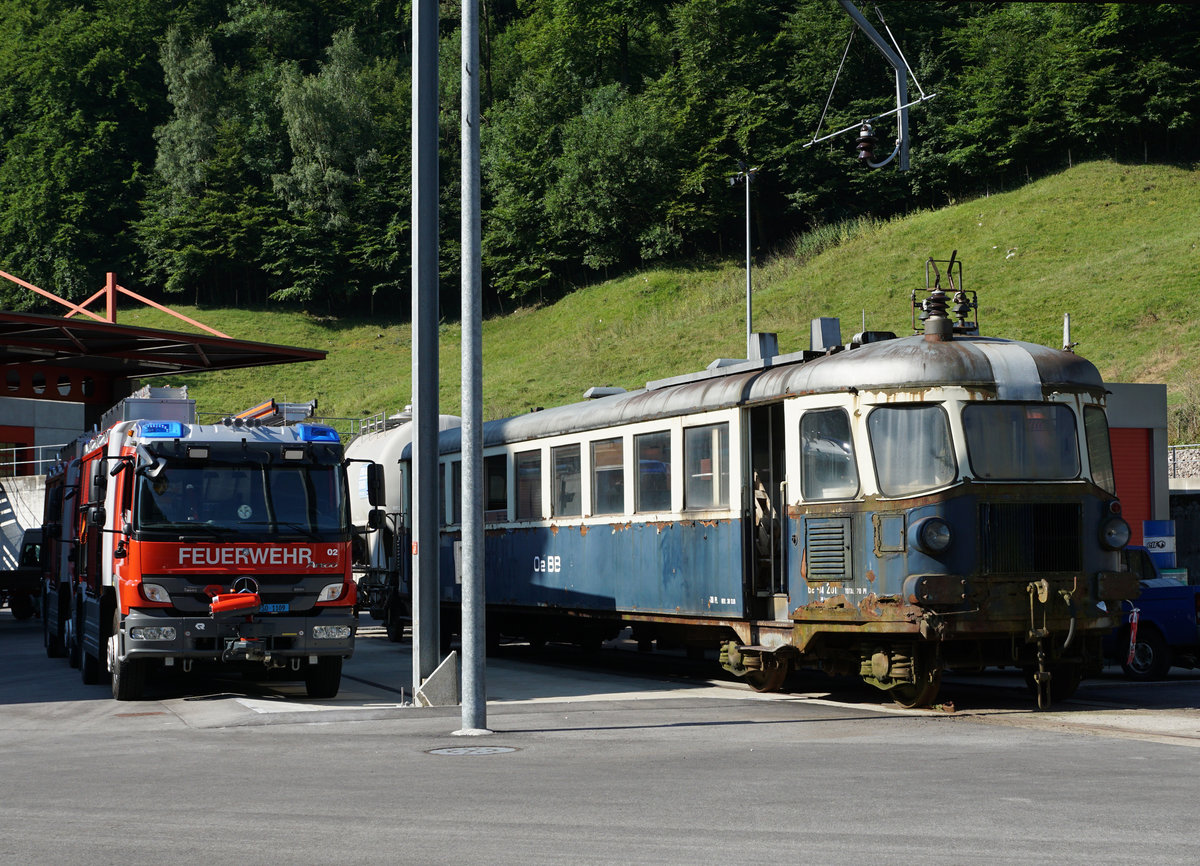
{"points": [[866, 131]]}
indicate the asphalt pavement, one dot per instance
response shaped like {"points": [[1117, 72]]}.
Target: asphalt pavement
{"points": [[615, 762]]}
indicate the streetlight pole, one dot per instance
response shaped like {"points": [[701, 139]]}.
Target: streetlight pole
{"points": [[746, 176]]}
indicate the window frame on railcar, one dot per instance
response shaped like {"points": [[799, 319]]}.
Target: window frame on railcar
{"points": [[1090, 442], [578, 452]]}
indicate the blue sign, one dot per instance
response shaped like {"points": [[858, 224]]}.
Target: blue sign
{"points": [[1159, 538]]}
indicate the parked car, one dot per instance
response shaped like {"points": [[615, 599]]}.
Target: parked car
{"points": [[1168, 623], [20, 586]]}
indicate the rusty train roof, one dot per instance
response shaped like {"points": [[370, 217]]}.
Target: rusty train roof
{"points": [[1010, 369]]}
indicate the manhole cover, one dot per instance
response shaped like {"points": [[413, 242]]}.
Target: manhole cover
{"points": [[472, 750]]}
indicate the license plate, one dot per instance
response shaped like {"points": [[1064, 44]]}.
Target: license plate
{"points": [[274, 608]]}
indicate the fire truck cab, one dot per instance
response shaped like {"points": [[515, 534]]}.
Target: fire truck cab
{"points": [[226, 543]]}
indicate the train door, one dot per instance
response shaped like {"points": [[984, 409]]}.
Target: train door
{"points": [[766, 553]]}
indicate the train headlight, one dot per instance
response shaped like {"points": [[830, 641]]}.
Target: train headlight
{"points": [[1114, 533], [931, 535]]}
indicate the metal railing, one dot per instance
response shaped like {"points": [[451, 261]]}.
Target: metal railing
{"points": [[13, 461], [348, 428]]}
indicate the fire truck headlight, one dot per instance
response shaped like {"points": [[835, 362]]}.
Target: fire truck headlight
{"points": [[931, 535], [1114, 533], [154, 592], [331, 632], [150, 632], [331, 592]]}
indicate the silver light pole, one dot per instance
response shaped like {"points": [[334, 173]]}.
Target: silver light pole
{"points": [[474, 690], [425, 347], [746, 176]]}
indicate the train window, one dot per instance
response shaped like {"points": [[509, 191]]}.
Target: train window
{"points": [[653, 492], [706, 466], [565, 482], [529, 485], [495, 485], [1095, 426], [442, 487], [1015, 441], [455, 492], [911, 448], [608, 477], [827, 466]]}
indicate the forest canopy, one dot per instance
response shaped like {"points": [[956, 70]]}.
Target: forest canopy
{"points": [[253, 152]]}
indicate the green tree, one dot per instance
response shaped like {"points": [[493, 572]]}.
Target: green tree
{"points": [[79, 94]]}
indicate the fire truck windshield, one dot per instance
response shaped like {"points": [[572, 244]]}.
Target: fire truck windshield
{"points": [[242, 499]]}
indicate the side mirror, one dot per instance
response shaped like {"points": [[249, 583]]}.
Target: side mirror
{"points": [[376, 489], [376, 518]]}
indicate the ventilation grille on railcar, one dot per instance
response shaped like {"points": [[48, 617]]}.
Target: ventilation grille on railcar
{"points": [[827, 549], [1030, 537]]}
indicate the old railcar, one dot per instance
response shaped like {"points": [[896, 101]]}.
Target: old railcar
{"points": [[891, 509]]}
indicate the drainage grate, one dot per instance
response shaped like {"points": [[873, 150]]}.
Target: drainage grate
{"points": [[472, 750]]}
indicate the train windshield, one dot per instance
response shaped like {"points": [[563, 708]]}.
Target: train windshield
{"points": [[1095, 428], [912, 449], [1022, 441], [285, 502]]}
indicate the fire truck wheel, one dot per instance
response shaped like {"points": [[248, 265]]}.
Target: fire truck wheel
{"points": [[323, 679], [128, 676], [21, 604], [51, 638], [72, 641], [89, 667], [128, 679]]}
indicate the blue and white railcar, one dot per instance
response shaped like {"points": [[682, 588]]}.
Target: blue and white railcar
{"points": [[891, 509]]}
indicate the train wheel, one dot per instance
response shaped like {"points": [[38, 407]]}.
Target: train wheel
{"points": [[769, 680], [911, 695], [394, 623]]}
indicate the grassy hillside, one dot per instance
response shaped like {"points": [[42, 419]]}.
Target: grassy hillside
{"points": [[1113, 245]]}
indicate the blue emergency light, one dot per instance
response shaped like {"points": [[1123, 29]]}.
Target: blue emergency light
{"points": [[317, 433], [160, 429]]}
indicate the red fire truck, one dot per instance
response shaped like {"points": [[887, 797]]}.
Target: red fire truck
{"points": [[192, 544]]}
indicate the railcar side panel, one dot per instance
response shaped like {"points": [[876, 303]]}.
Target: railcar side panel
{"points": [[676, 568]]}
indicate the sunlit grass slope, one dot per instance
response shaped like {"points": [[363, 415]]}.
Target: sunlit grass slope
{"points": [[1113, 245]]}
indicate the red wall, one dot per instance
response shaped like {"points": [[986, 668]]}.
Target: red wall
{"points": [[1131, 465], [10, 436]]}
